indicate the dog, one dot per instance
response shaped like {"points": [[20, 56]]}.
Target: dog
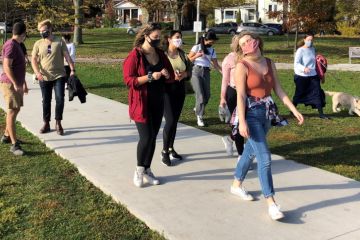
{"points": [[345, 100], [224, 114]]}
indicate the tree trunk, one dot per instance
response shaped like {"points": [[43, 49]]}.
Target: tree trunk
{"points": [[296, 37], [79, 16]]}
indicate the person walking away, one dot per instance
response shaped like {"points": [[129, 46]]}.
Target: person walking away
{"points": [[308, 89], [72, 52], [47, 61], [202, 55], [174, 94], [13, 84], [145, 71], [255, 78], [228, 94]]}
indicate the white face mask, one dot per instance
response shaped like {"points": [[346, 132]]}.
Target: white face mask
{"points": [[177, 42]]}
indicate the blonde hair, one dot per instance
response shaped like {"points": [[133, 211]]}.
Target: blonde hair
{"points": [[145, 31], [254, 36], [46, 22]]}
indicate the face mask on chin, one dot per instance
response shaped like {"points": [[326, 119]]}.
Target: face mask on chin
{"points": [[250, 47], [154, 42], [177, 42], [45, 34]]}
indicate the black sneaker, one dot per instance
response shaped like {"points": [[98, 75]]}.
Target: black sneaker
{"points": [[16, 149], [165, 158], [174, 155], [323, 116], [5, 139]]}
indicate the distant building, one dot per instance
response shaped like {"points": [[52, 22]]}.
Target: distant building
{"points": [[250, 12], [126, 10]]}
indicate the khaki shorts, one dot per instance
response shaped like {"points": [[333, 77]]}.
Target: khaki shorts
{"points": [[13, 99]]}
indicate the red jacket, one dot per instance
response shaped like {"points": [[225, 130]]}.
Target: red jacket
{"points": [[133, 68]]}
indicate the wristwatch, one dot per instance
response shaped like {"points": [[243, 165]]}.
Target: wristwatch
{"points": [[150, 77]]}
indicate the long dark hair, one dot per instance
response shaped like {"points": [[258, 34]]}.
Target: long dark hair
{"points": [[206, 36], [145, 31], [165, 42]]}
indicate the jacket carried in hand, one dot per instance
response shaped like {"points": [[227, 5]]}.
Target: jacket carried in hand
{"points": [[76, 89], [133, 68]]}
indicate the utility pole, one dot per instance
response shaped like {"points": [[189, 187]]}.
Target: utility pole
{"points": [[197, 19], [5, 16]]}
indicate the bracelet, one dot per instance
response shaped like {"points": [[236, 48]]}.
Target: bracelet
{"points": [[149, 77]]}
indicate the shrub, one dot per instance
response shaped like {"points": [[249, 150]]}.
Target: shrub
{"points": [[238, 17], [210, 20], [167, 25], [348, 31], [134, 23]]}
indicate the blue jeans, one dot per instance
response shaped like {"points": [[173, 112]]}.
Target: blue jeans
{"points": [[46, 91], [257, 146]]}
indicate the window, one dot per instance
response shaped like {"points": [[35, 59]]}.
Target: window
{"points": [[134, 13], [229, 15], [251, 14], [275, 8], [270, 8]]}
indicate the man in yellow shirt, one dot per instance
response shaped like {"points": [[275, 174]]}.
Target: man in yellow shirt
{"points": [[47, 61]]}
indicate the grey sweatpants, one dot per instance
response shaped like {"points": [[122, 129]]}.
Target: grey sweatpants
{"points": [[200, 81]]}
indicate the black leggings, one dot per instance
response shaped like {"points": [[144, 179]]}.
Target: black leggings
{"points": [[231, 101], [173, 103], [149, 130]]}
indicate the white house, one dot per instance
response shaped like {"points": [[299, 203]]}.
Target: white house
{"points": [[127, 10], [248, 12], [266, 6]]}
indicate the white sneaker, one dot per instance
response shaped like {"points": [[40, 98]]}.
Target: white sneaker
{"points": [[228, 142], [200, 121], [150, 177], [241, 192], [274, 212], [138, 176]]}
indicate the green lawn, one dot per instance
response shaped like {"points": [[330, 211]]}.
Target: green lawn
{"points": [[330, 145], [43, 196], [115, 43]]}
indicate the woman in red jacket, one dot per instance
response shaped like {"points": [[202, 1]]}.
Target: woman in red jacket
{"points": [[145, 70]]}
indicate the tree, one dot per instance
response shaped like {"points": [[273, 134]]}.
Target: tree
{"points": [[306, 15], [210, 5], [348, 11], [151, 7], [79, 17]]}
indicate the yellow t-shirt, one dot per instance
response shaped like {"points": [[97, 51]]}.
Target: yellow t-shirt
{"points": [[51, 58], [177, 63]]}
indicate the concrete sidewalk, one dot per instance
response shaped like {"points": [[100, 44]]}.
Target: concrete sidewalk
{"points": [[193, 202]]}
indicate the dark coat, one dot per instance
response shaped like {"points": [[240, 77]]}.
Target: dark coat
{"points": [[76, 89]]}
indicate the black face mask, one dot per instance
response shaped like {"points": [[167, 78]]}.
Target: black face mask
{"points": [[154, 43], [208, 45], [45, 34]]}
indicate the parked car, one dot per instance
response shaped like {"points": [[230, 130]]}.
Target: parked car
{"points": [[133, 30], [227, 28], [275, 25], [257, 28], [3, 28]]}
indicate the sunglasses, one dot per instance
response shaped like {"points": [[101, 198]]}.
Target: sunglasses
{"points": [[49, 49]]}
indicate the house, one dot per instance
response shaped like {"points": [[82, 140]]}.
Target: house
{"points": [[250, 12], [126, 10], [266, 6]]}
